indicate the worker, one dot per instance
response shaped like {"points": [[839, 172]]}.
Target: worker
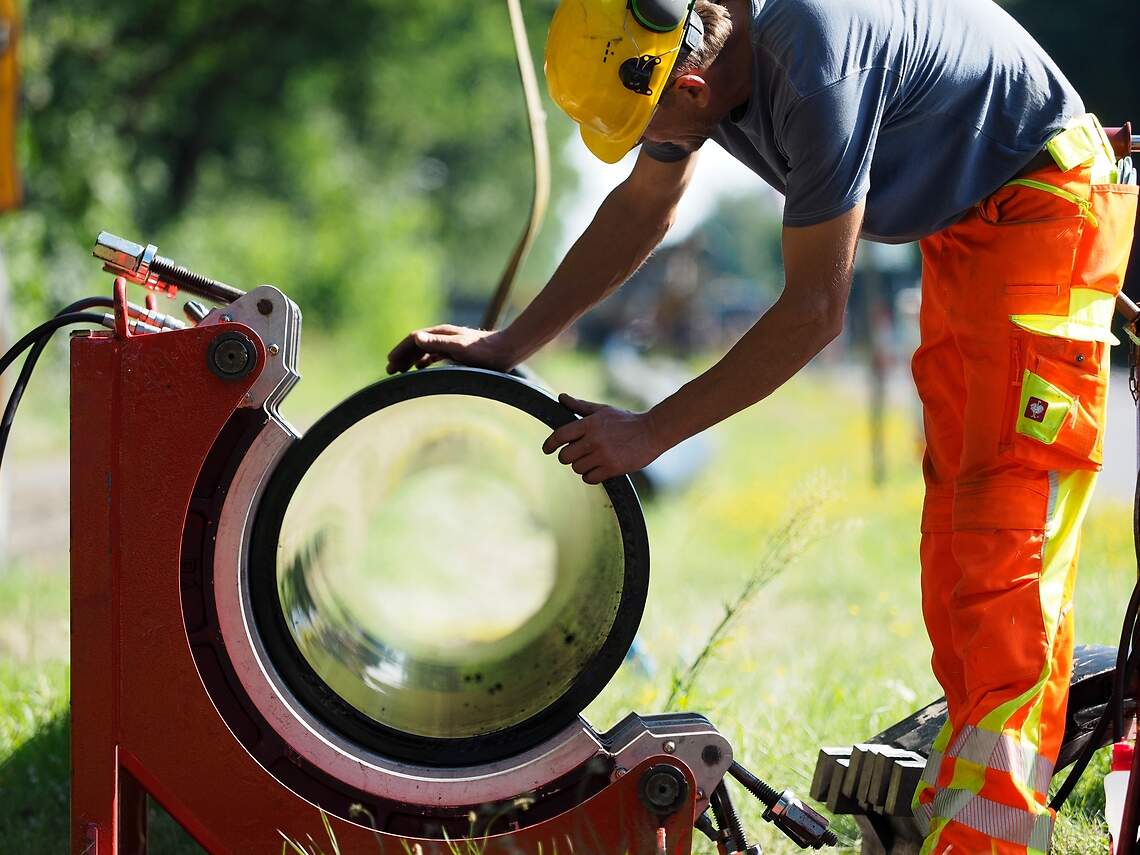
{"points": [[940, 121]]}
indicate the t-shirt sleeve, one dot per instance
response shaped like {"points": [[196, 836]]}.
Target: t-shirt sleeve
{"points": [[829, 139], [665, 152]]}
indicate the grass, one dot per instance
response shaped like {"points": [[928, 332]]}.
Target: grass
{"points": [[829, 651]]}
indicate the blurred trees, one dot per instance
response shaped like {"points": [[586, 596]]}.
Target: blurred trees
{"points": [[361, 155], [365, 156], [743, 234], [1096, 45]]}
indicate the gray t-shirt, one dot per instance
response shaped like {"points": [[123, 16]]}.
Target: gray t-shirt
{"points": [[924, 107]]}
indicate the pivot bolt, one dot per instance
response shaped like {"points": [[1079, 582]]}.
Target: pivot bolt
{"points": [[231, 356], [663, 790]]}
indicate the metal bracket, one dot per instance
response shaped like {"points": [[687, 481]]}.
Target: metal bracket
{"points": [[277, 320]]}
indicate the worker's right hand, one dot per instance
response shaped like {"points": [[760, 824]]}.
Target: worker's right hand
{"points": [[481, 348]]}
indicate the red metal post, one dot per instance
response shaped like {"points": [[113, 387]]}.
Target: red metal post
{"points": [[94, 776]]}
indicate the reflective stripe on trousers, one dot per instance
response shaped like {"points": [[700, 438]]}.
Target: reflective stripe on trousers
{"points": [[994, 820], [1001, 751]]}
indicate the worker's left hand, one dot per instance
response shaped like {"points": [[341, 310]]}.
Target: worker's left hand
{"points": [[605, 442]]}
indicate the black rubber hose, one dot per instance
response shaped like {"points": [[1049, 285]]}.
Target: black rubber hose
{"points": [[85, 304], [67, 315], [30, 364], [1123, 665], [47, 328], [705, 826], [1113, 710]]}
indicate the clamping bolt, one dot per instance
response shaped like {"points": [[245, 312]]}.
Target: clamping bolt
{"points": [[805, 826], [144, 266]]}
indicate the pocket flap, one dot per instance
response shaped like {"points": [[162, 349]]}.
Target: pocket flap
{"points": [[1089, 318]]}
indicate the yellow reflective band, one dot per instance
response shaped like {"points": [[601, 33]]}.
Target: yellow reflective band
{"points": [[1089, 318], [1084, 204], [1082, 141], [1044, 409]]}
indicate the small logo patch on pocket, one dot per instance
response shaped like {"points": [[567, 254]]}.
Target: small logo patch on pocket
{"points": [[1035, 409]]}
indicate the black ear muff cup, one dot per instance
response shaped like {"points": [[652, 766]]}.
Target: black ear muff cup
{"points": [[661, 16]]}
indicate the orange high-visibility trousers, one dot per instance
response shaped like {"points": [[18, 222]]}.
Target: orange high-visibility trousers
{"points": [[1012, 371]]}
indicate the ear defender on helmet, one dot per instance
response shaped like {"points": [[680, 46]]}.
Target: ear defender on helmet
{"points": [[661, 16]]}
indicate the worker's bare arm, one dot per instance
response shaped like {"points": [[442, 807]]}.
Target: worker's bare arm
{"points": [[628, 225], [818, 264]]}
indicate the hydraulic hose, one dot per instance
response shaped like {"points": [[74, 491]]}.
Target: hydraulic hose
{"points": [[38, 340], [540, 147], [47, 328], [30, 365]]}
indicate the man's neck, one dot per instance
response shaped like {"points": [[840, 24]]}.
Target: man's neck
{"points": [[731, 74]]}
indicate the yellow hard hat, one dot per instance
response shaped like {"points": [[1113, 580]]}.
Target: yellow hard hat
{"points": [[608, 61]]}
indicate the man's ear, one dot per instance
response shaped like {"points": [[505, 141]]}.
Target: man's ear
{"points": [[694, 88]]}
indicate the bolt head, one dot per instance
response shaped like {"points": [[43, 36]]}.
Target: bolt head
{"points": [[669, 747], [115, 250], [231, 356], [663, 789], [265, 306], [226, 318], [274, 349]]}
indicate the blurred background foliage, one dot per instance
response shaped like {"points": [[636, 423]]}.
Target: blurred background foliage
{"points": [[371, 158], [1095, 44], [366, 157]]}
